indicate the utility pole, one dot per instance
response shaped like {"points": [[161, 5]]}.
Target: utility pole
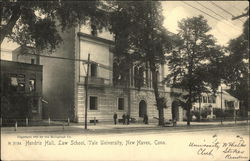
{"points": [[86, 87], [221, 104], [199, 108]]}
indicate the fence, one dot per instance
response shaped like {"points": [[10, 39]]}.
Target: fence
{"points": [[6, 122], [218, 115]]}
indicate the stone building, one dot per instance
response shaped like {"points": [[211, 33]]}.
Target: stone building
{"points": [[65, 74], [21, 90]]}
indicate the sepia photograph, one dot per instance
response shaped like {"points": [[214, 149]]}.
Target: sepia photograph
{"points": [[125, 80]]}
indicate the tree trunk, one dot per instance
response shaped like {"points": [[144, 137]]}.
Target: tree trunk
{"points": [[199, 108], [188, 115], [157, 96], [189, 106], [190, 85]]}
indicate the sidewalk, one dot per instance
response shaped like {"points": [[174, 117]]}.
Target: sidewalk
{"points": [[108, 126]]}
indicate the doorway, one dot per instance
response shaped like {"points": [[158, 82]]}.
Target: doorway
{"points": [[142, 108]]}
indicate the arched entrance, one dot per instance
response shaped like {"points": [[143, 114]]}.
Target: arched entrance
{"points": [[142, 108]]}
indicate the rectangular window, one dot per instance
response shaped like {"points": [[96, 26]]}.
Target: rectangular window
{"points": [[209, 99], [13, 84], [147, 81], [92, 103], [32, 61], [213, 99], [93, 70], [204, 99], [225, 103], [21, 82], [17, 83], [229, 104], [32, 85], [120, 103]]}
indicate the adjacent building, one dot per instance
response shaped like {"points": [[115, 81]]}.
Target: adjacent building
{"points": [[216, 105], [21, 90], [221, 101]]}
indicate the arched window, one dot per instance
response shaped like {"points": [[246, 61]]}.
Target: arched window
{"points": [[147, 78], [136, 74], [141, 77]]}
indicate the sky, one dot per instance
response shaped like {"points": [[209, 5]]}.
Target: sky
{"points": [[223, 28]]}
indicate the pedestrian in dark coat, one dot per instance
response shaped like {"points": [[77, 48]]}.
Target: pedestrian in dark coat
{"points": [[123, 119], [175, 106], [115, 118], [146, 119], [128, 117]]}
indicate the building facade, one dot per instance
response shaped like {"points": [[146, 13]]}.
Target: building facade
{"points": [[21, 90], [65, 73]]}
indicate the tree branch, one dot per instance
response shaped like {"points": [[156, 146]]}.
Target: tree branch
{"points": [[7, 29]]}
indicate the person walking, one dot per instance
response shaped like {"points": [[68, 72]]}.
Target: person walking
{"points": [[146, 119], [115, 118], [128, 117], [123, 119]]}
